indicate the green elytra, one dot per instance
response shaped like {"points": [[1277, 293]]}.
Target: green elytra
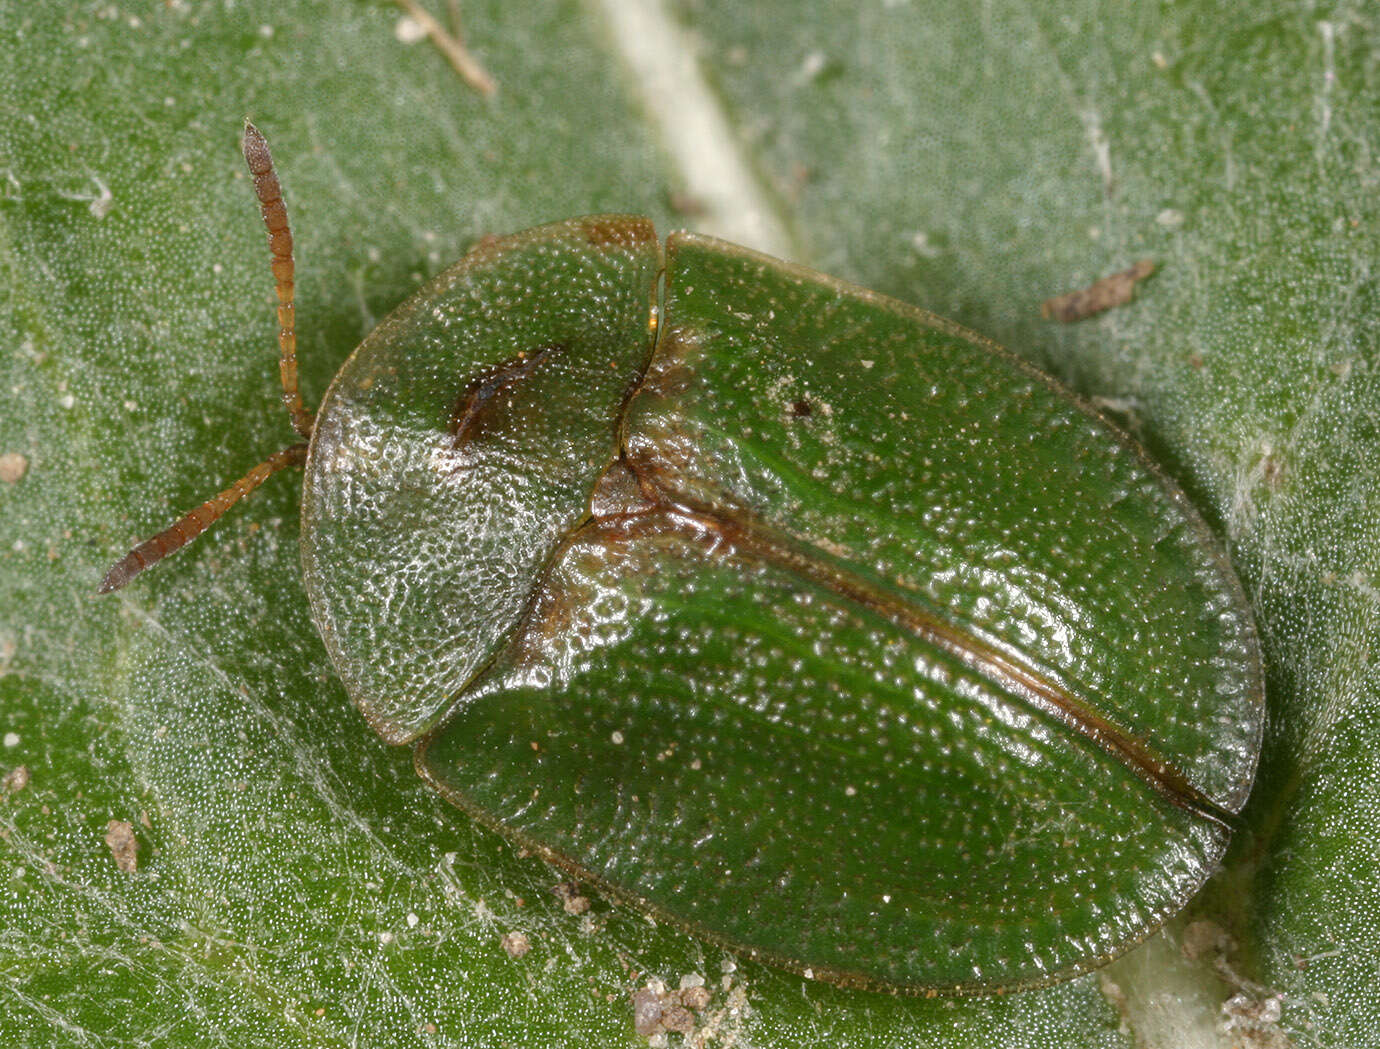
{"points": [[791, 614]]}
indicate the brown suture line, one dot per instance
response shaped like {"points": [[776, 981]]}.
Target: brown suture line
{"points": [[1006, 673]]}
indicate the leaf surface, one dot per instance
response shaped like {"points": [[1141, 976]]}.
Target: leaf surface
{"points": [[296, 883]]}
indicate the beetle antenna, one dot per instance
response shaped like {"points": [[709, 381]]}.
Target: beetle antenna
{"points": [[151, 551], [274, 211]]}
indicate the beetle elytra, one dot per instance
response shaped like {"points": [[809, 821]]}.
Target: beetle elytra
{"points": [[797, 616]]}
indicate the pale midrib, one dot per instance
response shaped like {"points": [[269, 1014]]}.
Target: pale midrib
{"points": [[693, 127]]}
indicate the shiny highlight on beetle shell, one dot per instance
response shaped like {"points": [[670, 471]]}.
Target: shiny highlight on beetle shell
{"points": [[796, 616]]}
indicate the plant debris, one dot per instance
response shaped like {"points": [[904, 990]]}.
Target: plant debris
{"points": [[571, 899], [15, 780], [516, 944], [124, 846], [13, 466], [1104, 294]]}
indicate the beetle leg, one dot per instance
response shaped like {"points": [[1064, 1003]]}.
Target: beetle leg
{"points": [[275, 215], [187, 528]]}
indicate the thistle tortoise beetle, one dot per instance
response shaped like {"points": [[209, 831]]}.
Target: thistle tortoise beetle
{"points": [[789, 613]]}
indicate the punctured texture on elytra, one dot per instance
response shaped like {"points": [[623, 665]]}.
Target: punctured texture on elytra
{"points": [[801, 618]]}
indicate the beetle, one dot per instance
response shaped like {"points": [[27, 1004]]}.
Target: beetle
{"points": [[799, 617]]}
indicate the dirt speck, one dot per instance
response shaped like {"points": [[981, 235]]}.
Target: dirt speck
{"points": [[13, 466], [15, 780], [696, 998], [677, 1018], [124, 846], [1115, 290], [408, 30], [516, 944], [685, 1011], [1253, 1022], [571, 899], [646, 1012]]}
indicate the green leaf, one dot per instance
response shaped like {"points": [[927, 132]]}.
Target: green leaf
{"points": [[296, 883]]}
